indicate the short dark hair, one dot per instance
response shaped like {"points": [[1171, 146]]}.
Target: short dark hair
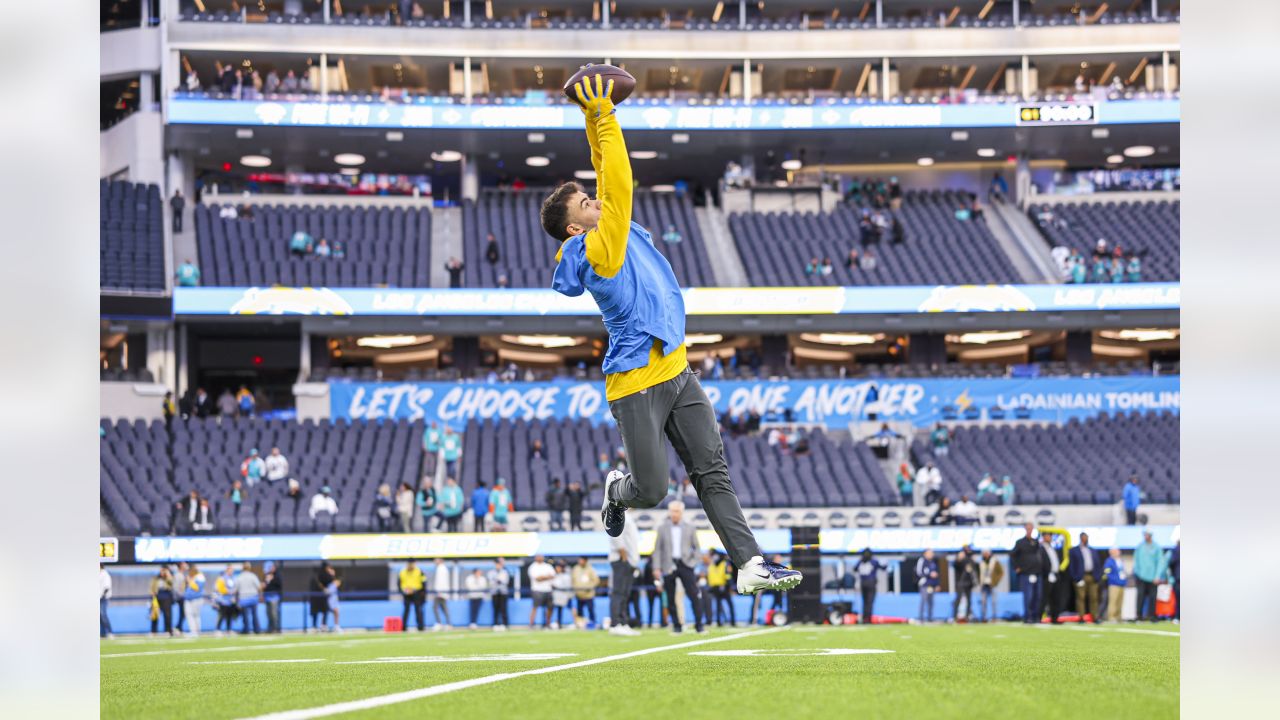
{"points": [[555, 210]]}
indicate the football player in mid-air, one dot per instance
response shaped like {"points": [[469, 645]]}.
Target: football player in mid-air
{"points": [[650, 389]]}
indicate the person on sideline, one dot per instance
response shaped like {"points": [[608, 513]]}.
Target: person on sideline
{"points": [[412, 591], [675, 554], [585, 582], [868, 570], [193, 601], [500, 592], [1115, 577], [990, 573], [927, 581], [441, 588], [1149, 568], [477, 587], [1085, 568], [624, 563], [541, 577], [104, 600], [1028, 564]]}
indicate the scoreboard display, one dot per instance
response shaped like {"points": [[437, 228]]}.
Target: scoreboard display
{"points": [[108, 550], [1058, 114]]}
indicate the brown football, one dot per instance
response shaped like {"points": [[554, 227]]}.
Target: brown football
{"points": [[623, 82]]}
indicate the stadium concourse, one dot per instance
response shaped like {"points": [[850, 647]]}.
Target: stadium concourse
{"points": [[354, 446]]}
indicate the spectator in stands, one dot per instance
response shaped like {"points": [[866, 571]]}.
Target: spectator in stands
{"points": [[411, 584], [1134, 268], [851, 262], [1150, 566], [255, 80], [236, 495], [339, 250], [384, 509], [988, 490], [585, 581], [1100, 249], [999, 188], [929, 483], [202, 405], [500, 504], [491, 253], [990, 572], [245, 402], [927, 584], [1085, 568], [868, 570], [813, 267], [253, 468], [168, 409], [454, 267], [500, 591], [426, 501], [203, 523], [826, 268], [441, 590], [479, 505], [183, 516], [451, 503], [556, 502], [1077, 269], [868, 260], [1115, 578], [477, 588], [1029, 565], [897, 233], [1132, 500], [323, 503], [605, 465], [272, 590], [541, 577], [965, 512], [162, 601], [906, 487], [277, 466], [944, 514], [537, 451], [1054, 592], [1006, 490], [322, 249], [176, 204], [404, 507], [193, 81], [941, 439], [272, 84], [967, 577], [248, 594], [432, 439], [301, 244], [1117, 270], [671, 236], [227, 404], [574, 496], [294, 493], [290, 83], [451, 445]]}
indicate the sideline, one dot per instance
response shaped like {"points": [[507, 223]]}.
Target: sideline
{"points": [[394, 698], [259, 646]]}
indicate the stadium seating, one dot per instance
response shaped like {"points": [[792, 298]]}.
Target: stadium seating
{"points": [[384, 246], [938, 248], [1079, 462], [1150, 227], [131, 248], [527, 254]]}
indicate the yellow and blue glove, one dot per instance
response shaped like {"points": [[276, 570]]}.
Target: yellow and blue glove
{"points": [[595, 96]]}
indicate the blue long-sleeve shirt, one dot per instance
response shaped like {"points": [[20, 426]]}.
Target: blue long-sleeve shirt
{"points": [[925, 570], [1132, 496], [1114, 573], [480, 501]]}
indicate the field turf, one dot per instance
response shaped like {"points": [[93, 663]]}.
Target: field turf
{"points": [[988, 671]]}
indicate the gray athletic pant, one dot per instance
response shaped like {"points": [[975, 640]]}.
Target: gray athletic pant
{"points": [[680, 409]]}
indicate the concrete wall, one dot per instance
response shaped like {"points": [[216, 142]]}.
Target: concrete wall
{"points": [[123, 53], [312, 400], [136, 144], [131, 401]]}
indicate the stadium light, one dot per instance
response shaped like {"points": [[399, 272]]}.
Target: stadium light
{"points": [[792, 164], [680, 138], [960, 135], [536, 137], [1115, 159], [349, 159], [386, 342], [395, 136], [841, 338], [925, 161], [643, 154], [584, 174], [1139, 151], [537, 161], [244, 133], [986, 152], [1139, 334], [702, 339], [543, 341], [663, 188], [350, 171], [983, 338], [255, 161]]}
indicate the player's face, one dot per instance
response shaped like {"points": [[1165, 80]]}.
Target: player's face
{"points": [[584, 212]]}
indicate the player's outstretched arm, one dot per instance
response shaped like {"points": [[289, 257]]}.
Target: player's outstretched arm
{"points": [[606, 245]]}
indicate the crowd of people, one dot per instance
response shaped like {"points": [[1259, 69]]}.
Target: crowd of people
{"points": [[1105, 264], [200, 404], [303, 245], [247, 83]]}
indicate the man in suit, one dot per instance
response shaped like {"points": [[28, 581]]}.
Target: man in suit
{"points": [[1028, 563], [1085, 567], [675, 555], [1056, 561]]}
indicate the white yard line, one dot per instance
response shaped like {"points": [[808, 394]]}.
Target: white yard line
{"points": [[232, 648], [1089, 627], [406, 696], [253, 662]]}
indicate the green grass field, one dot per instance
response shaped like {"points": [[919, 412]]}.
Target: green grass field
{"points": [[987, 671]]}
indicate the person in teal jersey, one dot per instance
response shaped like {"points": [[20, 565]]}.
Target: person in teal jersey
{"points": [[1134, 269], [480, 505], [426, 501], [431, 440], [1150, 567], [1101, 271], [500, 502], [1117, 270], [452, 446], [300, 243], [450, 500], [941, 439], [1006, 490], [1078, 272], [188, 274]]}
